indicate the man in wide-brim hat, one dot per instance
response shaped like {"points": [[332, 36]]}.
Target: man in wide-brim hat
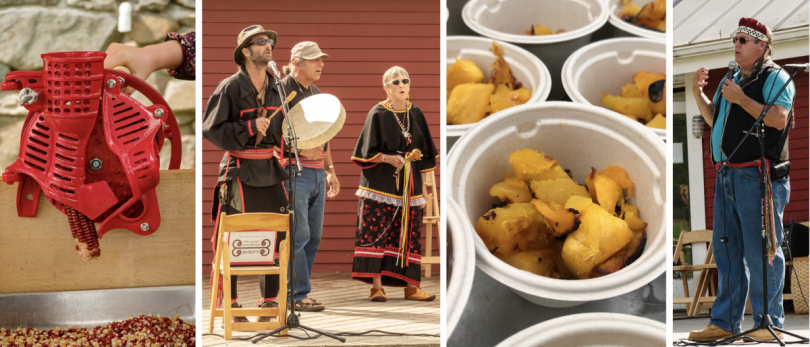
{"points": [[251, 175]]}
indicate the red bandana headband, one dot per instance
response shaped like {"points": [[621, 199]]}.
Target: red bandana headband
{"points": [[752, 27]]}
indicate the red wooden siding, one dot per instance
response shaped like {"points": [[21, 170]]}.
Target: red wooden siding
{"points": [[797, 209], [363, 39]]}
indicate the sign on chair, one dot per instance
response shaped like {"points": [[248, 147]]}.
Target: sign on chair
{"points": [[252, 247]]}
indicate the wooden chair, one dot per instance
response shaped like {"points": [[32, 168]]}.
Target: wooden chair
{"points": [[689, 238], [222, 261], [430, 220]]}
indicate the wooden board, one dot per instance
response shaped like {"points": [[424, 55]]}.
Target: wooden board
{"points": [[39, 255]]}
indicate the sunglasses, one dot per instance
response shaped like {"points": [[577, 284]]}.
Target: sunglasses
{"points": [[404, 81], [742, 40], [262, 42]]}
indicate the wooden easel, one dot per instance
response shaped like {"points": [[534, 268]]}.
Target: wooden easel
{"points": [[431, 218]]}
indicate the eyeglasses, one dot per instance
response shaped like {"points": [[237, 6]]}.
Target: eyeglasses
{"points": [[404, 81], [742, 40], [262, 42]]}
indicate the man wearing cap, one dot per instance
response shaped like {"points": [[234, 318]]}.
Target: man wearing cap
{"points": [[737, 231], [251, 175], [317, 180]]}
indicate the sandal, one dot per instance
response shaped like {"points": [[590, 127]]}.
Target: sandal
{"points": [[313, 306], [267, 304]]}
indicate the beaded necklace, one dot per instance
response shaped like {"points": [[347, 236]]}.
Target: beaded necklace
{"points": [[407, 120], [301, 89]]}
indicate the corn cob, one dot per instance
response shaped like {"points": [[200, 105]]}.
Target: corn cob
{"points": [[84, 233]]}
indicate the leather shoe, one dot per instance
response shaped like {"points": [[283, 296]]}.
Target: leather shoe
{"points": [[238, 319], [764, 335], [267, 304], [378, 295], [711, 333], [416, 293]]}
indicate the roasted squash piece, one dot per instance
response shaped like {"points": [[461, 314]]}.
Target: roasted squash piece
{"points": [[608, 193], [631, 91], [509, 193], [511, 229], [625, 257], [469, 103], [644, 79], [556, 172], [634, 107], [580, 204], [629, 11], [515, 182], [599, 236], [658, 122], [461, 72], [561, 221], [618, 175], [499, 103], [589, 184], [544, 262], [558, 190], [501, 72], [538, 30], [633, 222], [528, 163]]}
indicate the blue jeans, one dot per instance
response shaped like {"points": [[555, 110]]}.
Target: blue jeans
{"points": [[739, 262], [310, 197]]}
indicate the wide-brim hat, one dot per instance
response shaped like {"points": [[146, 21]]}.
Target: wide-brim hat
{"points": [[245, 37]]}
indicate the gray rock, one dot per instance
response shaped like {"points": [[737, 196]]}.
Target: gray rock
{"points": [[189, 150], [187, 3], [149, 5], [10, 104], [184, 16], [97, 5], [29, 2], [180, 95], [4, 69], [28, 32], [10, 143], [148, 28], [184, 119]]}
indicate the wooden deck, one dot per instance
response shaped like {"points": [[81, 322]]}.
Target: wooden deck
{"points": [[348, 309]]}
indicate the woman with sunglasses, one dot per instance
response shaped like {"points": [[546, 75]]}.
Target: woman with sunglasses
{"points": [[388, 247]]}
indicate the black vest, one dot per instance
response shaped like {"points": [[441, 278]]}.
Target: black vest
{"points": [[739, 121]]}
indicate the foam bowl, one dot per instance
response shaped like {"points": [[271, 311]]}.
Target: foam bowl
{"points": [[508, 20], [580, 137], [606, 66], [527, 68], [592, 329], [461, 264], [621, 28]]}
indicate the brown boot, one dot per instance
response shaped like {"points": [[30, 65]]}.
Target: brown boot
{"points": [[764, 335], [378, 295], [267, 304], [711, 333], [238, 319], [416, 293]]}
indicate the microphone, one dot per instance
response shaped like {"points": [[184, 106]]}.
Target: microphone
{"points": [[272, 66], [800, 67], [732, 69]]}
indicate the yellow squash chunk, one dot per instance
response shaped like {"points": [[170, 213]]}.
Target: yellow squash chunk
{"points": [[662, 25], [469, 103], [618, 175], [643, 79], [633, 222], [558, 190], [659, 9], [658, 122], [629, 10], [461, 72], [515, 182], [555, 172], [598, 238], [629, 208], [498, 102], [501, 72], [509, 193], [519, 96], [527, 163], [511, 229], [608, 193], [561, 221], [580, 204], [634, 107], [589, 184], [631, 91], [624, 257], [658, 107], [544, 262], [538, 30]]}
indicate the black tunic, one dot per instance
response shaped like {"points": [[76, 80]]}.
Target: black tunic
{"points": [[382, 134]]}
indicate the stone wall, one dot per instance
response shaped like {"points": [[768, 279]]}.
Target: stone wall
{"points": [[29, 28]]}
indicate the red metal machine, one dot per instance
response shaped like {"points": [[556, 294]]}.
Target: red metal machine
{"points": [[91, 149]]}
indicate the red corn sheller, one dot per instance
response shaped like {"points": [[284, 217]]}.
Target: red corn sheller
{"points": [[91, 149]]}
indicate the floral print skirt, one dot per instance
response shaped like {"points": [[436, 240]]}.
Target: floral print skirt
{"points": [[376, 247]]}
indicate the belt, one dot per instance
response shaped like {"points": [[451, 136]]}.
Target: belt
{"points": [[739, 165], [264, 153]]}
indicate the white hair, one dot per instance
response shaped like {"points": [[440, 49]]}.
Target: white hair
{"points": [[394, 71], [289, 68]]}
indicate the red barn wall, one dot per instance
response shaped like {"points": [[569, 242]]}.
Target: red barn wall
{"points": [[797, 208], [363, 39]]}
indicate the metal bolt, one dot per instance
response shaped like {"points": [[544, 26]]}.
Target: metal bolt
{"points": [[121, 80], [145, 227], [28, 96], [110, 83], [159, 113], [95, 164]]}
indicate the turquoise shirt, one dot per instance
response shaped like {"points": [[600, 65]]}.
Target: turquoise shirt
{"points": [[772, 86]]}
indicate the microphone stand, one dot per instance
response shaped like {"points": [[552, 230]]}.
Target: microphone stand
{"points": [[765, 322], [292, 319]]}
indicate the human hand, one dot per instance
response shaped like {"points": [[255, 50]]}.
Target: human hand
{"points": [[311, 153], [732, 91], [141, 62], [262, 124], [394, 160], [332, 184], [699, 80]]}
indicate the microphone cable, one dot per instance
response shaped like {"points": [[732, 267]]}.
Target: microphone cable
{"points": [[380, 333]]}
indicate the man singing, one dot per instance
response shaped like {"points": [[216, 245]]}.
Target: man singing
{"points": [[250, 175], [737, 205], [317, 180]]}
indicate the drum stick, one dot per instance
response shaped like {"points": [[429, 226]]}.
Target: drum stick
{"points": [[259, 136]]}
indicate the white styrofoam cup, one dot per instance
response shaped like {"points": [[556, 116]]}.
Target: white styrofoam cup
{"points": [[592, 329], [622, 28], [461, 266]]}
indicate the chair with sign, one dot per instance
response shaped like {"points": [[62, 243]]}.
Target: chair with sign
{"points": [[430, 220], [222, 260], [690, 238]]}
